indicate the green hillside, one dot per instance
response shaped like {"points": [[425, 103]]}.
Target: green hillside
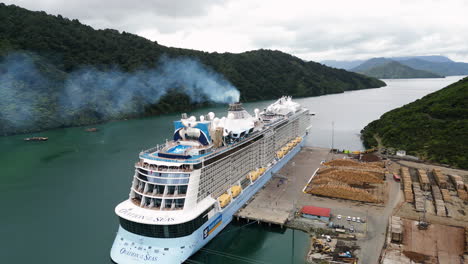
{"points": [[71, 61], [433, 128], [389, 69]]}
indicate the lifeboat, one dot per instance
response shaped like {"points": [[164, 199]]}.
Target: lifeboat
{"points": [[253, 175], [261, 171], [280, 154], [235, 191], [224, 199]]}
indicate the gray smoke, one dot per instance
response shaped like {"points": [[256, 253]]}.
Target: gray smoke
{"points": [[27, 93], [86, 86], [17, 101]]}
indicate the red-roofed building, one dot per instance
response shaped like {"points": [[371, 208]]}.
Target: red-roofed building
{"points": [[313, 212]]}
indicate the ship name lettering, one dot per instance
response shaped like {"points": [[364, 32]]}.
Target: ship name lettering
{"points": [[146, 257]]}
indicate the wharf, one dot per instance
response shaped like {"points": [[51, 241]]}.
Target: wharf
{"points": [[277, 201]]}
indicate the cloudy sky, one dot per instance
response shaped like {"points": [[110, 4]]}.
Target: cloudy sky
{"points": [[310, 29]]}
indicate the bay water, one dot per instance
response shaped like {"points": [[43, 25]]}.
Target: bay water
{"points": [[57, 198]]}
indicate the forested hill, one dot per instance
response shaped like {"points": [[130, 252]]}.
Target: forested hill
{"points": [[396, 70], [57, 49], [433, 128]]}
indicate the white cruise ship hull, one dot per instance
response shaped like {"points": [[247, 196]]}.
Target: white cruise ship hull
{"points": [[129, 248]]}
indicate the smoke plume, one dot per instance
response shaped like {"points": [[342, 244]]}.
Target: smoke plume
{"points": [[30, 96]]}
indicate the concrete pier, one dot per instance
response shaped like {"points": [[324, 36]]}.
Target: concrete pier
{"points": [[277, 201]]}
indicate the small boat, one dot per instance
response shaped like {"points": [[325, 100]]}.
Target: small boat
{"points": [[36, 139], [92, 129]]}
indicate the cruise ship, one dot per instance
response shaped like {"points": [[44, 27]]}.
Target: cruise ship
{"points": [[184, 192]]}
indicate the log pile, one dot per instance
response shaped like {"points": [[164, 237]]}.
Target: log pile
{"points": [[424, 180], [446, 195], [380, 164], [440, 178], [377, 171], [457, 182], [462, 194], [346, 176], [460, 186], [341, 190], [466, 239], [396, 226], [439, 202], [406, 178], [418, 197], [352, 163]]}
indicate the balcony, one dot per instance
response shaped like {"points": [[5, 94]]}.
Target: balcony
{"points": [[163, 168]]}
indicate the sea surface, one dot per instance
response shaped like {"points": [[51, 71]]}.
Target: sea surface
{"points": [[57, 198]]}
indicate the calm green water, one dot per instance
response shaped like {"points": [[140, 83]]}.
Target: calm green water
{"points": [[57, 198]]}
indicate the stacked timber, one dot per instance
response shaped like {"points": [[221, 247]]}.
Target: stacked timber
{"points": [[439, 202], [424, 180], [405, 176], [352, 163], [396, 229], [418, 197], [446, 195], [466, 239], [341, 190], [440, 178], [379, 173], [460, 186], [380, 164], [457, 182], [376, 171], [462, 194], [346, 176]]}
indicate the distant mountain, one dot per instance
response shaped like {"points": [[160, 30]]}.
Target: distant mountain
{"points": [[57, 72], [392, 70], [345, 65], [369, 64], [433, 127], [440, 65], [443, 68], [432, 58]]}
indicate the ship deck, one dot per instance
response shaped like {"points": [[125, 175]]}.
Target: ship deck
{"points": [[173, 148]]}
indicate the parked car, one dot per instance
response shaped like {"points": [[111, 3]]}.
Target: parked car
{"points": [[348, 218], [351, 228], [354, 219], [358, 219], [338, 217]]}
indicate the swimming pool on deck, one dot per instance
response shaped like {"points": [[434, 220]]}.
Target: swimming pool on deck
{"points": [[178, 149]]}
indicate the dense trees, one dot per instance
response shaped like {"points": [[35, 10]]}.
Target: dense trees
{"points": [[59, 47], [434, 127]]}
